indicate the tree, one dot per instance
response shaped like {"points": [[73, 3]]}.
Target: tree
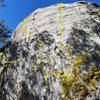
{"points": [[1, 2], [5, 32]]}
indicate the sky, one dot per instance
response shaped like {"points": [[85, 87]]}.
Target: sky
{"points": [[16, 10]]}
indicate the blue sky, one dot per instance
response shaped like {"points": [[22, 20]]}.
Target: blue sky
{"points": [[16, 10]]}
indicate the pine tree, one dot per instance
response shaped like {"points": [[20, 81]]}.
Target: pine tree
{"points": [[5, 32]]}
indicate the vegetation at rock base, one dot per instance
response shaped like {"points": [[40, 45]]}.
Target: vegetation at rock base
{"points": [[75, 81]]}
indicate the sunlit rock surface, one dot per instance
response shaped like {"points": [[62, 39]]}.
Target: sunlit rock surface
{"points": [[54, 54]]}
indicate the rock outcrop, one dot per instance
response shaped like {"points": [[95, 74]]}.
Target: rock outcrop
{"points": [[54, 54]]}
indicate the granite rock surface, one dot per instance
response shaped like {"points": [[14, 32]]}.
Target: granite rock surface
{"points": [[54, 54]]}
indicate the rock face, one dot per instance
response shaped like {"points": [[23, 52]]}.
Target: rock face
{"points": [[54, 54]]}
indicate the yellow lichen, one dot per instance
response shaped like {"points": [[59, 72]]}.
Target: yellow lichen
{"points": [[72, 80], [46, 76], [23, 27], [2, 54], [26, 20], [72, 76], [9, 62]]}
